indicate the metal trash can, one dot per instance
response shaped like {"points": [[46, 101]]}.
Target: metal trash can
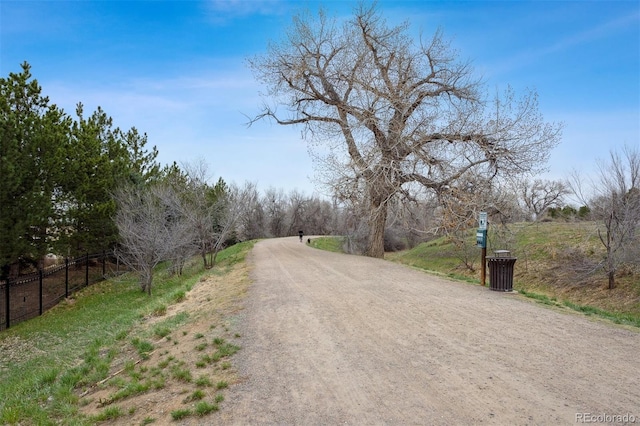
{"points": [[501, 271]]}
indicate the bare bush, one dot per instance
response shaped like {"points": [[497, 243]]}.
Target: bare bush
{"points": [[614, 201], [151, 229], [541, 194]]}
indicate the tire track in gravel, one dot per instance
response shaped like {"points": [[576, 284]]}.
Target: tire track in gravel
{"points": [[331, 338]]}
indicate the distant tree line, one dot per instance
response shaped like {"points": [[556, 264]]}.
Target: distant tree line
{"points": [[72, 185], [77, 184]]}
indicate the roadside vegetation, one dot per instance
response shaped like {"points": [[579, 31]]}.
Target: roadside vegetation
{"points": [[75, 184], [333, 244], [557, 266], [112, 350]]}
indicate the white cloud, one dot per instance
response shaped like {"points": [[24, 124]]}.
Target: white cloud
{"points": [[221, 12]]}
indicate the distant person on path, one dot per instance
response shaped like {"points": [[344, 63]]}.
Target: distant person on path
{"points": [[300, 233]]}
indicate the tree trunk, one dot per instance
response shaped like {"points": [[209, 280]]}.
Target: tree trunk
{"points": [[611, 261], [148, 284], [377, 222], [203, 253], [146, 278], [612, 279]]}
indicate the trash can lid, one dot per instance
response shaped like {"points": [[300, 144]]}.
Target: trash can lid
{"points": [[502, 253]]}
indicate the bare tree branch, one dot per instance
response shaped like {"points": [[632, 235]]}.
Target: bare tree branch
{"points": [[615, 202], [406, 114]]}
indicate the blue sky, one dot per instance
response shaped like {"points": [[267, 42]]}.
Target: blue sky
{"points": [[177, 70]]}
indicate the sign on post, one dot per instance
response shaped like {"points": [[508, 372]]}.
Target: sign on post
{"points": [[481, 238], [482, 221]]}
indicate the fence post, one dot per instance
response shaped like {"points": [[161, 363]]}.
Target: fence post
{"points": [[7, 303], [66, 277], [40, 288], [86, 274]]}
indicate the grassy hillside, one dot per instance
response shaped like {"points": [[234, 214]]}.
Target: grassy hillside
{"points": [[96, 356], [555, 260]]}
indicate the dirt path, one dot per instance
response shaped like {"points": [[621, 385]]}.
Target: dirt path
{"points": [[338, 339]]}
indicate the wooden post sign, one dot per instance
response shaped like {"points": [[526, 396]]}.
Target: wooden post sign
{"points": [[481, 237]]}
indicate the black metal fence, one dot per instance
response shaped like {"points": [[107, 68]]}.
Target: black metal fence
{"points": [[28, 296]]}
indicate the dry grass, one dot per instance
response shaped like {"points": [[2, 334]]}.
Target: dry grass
{"points": [[174, 374]]}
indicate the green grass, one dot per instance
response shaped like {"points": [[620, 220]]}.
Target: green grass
{"points": [[541, 298], [196, 395], [142, 346], [159, 311], [178, 296], [69, 339], [164, 328], [181, 414], [128, 389], [46, 362], [333, 244], [617, 318], [435, 256], [110, 413], [234, 254], [203, 381], [203, 408], [182, 373]]}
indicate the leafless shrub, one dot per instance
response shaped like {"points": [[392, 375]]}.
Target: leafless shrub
{"points": [[151, 229], [614, 200], [539, 195]]}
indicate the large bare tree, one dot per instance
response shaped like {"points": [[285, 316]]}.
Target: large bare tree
{"points": [[397, 114], [541, 194]]}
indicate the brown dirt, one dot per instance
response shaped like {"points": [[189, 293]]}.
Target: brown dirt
{"points": [[212, 305], [329, 338]]}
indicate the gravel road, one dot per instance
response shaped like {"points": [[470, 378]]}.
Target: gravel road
{"points": [[337, 339]]}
